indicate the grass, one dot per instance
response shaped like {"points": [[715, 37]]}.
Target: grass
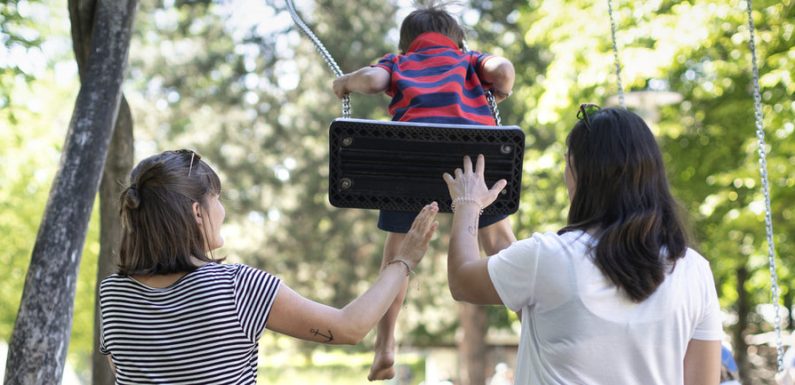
{"points": [[335, 368]]}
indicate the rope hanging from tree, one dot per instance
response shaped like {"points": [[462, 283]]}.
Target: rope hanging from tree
{"points": [[760, 136]]}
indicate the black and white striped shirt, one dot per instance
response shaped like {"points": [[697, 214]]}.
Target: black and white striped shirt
{"points": [[203, 329]]}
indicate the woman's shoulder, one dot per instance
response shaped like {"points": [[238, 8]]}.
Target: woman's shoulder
{"points": [[691, 268], [693, 260], [113, 280], [212, 272], [555, 240], [550, 244], [243, 272], [233, 271]]}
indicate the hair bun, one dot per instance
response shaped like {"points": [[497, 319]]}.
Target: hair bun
{"points": [[131, 198]]}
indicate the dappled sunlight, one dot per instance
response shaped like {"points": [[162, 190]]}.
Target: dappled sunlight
{"points": [[238, 83]]}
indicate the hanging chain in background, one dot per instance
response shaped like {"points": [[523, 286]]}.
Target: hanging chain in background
{"points": [[760, 135], [615, 54]]}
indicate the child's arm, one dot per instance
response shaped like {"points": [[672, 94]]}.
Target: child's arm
{"points": [[498, 71], [367, 80]]}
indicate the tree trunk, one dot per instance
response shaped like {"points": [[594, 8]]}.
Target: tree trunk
{"points": [[37, 351], [788, 306], [472, 346], [743, 307], [117, 168]]}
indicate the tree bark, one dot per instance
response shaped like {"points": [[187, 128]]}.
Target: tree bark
{"points": [[472, 346], [37, 351], [81, 17], [117, 168]]}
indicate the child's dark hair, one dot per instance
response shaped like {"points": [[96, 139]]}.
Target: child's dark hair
{"points": [[160, 234], [430, 17]]}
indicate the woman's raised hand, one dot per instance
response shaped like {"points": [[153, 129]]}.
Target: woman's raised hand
{"points": [[468, 185], [416, 242]]}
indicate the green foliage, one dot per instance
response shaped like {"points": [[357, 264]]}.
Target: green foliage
{"points": [[248, 90], [19, 35], [714, 160], [33, 125]]}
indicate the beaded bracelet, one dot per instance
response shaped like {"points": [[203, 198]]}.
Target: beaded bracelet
{"points": [[408, 268], [458, 200]]}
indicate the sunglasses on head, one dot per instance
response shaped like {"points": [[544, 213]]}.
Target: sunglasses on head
{"points": [[585, 110]]}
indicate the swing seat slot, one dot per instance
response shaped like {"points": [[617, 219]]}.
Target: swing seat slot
{"points": [[399, 165]]}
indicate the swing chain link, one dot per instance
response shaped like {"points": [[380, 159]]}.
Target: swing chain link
{"points": [[346, 100], [493, 105], [760, 135], [615, 54]]}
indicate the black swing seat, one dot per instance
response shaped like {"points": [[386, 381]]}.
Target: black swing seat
{"points": [[398, 165]]}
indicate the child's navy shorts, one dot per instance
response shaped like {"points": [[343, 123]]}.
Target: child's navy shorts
{"points": [[400, 221]]}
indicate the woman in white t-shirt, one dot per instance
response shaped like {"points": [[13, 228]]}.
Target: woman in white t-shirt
{"points": [[616, 296], [173, 314]]}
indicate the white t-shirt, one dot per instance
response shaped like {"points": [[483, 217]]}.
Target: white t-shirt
{"points": [[577, 328]]}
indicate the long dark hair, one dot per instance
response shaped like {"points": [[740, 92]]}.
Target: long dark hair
{"points": [[160, 234], [429, 17], [622, 194]]}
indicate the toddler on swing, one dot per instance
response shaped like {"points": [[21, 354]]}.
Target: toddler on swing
{"points": [[432, 80]]}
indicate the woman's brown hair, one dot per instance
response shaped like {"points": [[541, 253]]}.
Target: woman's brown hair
{"points": [[160, 233]]}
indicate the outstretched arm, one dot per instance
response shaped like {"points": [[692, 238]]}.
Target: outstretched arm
{"points": [[367, 80], [499, 72], [299, 317], [467, 273]]}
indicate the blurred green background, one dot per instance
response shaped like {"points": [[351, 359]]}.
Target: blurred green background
{"points": [[236, 81]]}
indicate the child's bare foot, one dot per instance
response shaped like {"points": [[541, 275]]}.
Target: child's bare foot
{"points": [[383, 362]]}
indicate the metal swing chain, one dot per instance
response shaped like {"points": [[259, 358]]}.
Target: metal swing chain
{"points": [[760, 135], [346, 100], [495, 111], [615, 54], [493, 105]]}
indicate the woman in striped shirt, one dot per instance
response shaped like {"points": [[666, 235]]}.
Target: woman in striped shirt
{"points": [[174, 315]]}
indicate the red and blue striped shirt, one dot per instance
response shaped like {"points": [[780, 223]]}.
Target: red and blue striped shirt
{"points": [[436, 82]]}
